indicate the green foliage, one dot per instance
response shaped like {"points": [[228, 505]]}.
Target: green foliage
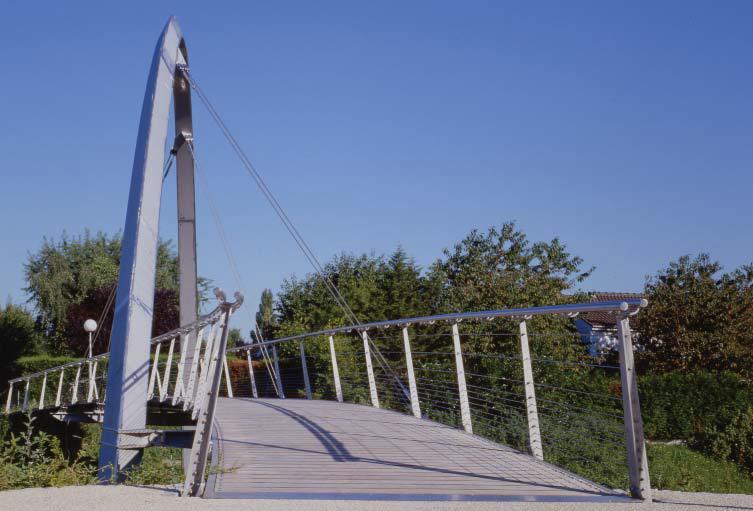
{"points": [[734, 442], [265, 316], [680, 406], [235, 338], [159, 465], [34, 459], [698, 318], [676, 467], [502, 269], [36, 363], [18, 337], [70, 271]]}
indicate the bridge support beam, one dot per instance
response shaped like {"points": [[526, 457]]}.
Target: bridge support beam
{"points": [[534, 433], [335, 370], [254, 392], [465, 409], [640, 485], [305, 369], [278, 376], [414, 404], [370, 370], [128, 368]]}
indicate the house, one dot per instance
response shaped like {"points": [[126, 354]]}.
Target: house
{"points": [[599, 329]]}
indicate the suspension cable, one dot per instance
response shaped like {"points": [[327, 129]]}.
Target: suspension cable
{"points": [[285, 219], [227, 248]]}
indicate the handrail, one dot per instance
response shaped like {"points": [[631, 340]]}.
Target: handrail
{"points": [[631, 306], [204, 320]]}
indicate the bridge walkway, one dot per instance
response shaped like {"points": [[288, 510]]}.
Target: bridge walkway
{"points": [[295, 448]]}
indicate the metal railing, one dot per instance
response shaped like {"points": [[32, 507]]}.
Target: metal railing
{"points": [[490, 378], [483, 372], [82, 382]]}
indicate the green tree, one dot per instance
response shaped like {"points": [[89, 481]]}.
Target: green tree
{"points": [[266, 321], [502, 269], [698, 318], [235, 338], [18, 337], [83, 270]]}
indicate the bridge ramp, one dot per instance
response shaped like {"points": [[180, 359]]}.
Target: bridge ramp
{"points": [[295, 448]]}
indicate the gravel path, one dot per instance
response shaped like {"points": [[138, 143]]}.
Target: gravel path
{"points": [[131, 498]]}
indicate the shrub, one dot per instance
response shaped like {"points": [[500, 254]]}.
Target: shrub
{"points": [[683, 406], [734, 442], [35, 459]]}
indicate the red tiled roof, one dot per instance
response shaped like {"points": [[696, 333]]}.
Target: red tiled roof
{"points": [[603, 318]]}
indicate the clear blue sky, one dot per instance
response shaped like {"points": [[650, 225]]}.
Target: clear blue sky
{"points": [[624, 128]]}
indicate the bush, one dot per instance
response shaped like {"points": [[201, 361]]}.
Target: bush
{"points": [[684, 406], [35, 459], [734, 443], [36, 363]]}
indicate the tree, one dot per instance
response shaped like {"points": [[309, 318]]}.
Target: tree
{"points": [[265, 316], [235, 338], [698, 318], [18, 338], [501, 269], [166, 317], [75, 276]]}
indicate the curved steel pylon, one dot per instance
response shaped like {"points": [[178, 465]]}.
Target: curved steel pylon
{"points": [[127, 374]]}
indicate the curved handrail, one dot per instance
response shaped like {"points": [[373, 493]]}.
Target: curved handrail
{"points": [[204, 320], [631, 306]]}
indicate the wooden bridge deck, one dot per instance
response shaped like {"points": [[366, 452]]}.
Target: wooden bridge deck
{"points": [[293, 448]]}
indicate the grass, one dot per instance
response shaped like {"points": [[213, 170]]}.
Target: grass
{"points": [[676, 467]]}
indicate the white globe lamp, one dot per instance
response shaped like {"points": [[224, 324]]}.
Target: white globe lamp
{"points": [[90, 326]]}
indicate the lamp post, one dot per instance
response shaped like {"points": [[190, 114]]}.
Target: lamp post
{"points": [[90, 326]]}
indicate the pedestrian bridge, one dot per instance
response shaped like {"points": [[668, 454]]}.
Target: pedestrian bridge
{"points": [[348, 412], [340, 414]]}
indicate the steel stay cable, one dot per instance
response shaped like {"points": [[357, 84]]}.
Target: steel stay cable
{"points": [[223, 238], [291, 228]]}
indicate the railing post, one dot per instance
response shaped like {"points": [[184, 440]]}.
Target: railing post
{"points": [[166, 378], [370, 370], [26, 396], [465, 409], [278, 376], [155, 368], [193, 375], [59, 395], [415, 406], [254, 392], [304, 367], [74, 393], [92, 392], [228, 382], [206, 404], [10, 398], [640, 485], [335, 370], [180, 388], [41, 394], [534, 433]]}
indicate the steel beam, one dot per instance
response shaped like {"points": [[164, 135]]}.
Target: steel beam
{"points": [[127, 373], [335, 370], [640, 484], [254, 392], [465, 409], [305, 369], [370, 370], [415, 406], [534, 433]]}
